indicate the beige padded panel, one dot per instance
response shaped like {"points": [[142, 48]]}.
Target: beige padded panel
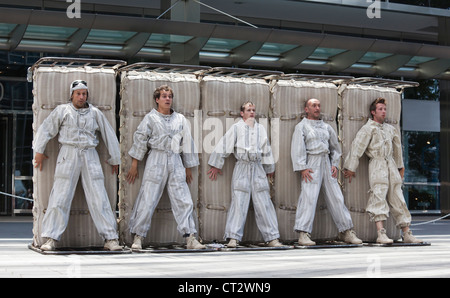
{"points": [[356, 100], [50, 88], [288, 99], [222, 97], [137, 89]]}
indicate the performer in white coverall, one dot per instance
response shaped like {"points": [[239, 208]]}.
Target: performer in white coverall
{"points": [[172, 153], [381, 142], [78, 123], [315, 152], [248, 140]]}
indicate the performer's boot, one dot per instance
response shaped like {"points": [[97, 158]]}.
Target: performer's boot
{"points": [[112, 244], [305, 239], [137, 242], [409, 238], [49, 245], [349, 236], [192, 243], [383, 238], [275, 243], [233, 243]]}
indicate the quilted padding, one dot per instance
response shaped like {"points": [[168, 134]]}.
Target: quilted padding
{"points": [[50, 88], [137, 87]]}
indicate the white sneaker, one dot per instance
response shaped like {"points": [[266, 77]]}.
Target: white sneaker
{"points": [[112, 244], [192, 243], [137, 242], [49, 245]]}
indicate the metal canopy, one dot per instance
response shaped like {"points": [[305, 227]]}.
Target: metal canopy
{"points": [[216, 43]]}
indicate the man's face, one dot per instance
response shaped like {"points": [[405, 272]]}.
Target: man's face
{"points": [[249, 112], [312, 109], [165, 100], [380, 113], [79, 98]]}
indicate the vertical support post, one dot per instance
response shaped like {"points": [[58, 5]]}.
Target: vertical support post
{"points": [[186, 11]]}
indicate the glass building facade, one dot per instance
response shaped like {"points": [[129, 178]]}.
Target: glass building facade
{"points": [[408, 42], [421, 148], [16, 133]]}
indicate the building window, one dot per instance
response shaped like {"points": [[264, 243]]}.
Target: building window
{"points": [[421, 132], [421, 155]]}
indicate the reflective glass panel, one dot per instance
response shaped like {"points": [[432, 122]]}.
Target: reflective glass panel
{"points": [[421, 156]]}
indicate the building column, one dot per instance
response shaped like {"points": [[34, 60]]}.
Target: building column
{"points": [[183, 51], [444, 86]]}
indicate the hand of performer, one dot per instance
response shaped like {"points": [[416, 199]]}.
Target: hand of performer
{"points": [[189, 175], [213, 173], [39, 160], [334, 172], [349, 174], [115, 169], [306, 175], [133, 172], [270, 177]]}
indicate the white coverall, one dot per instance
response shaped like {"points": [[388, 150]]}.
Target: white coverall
{"points": [[78, 138], [251, 148], [171, 151], [382, 144], [315, 146]]}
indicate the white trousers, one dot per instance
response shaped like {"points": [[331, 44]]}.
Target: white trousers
{"points": [[306, 208], [249, 180], [163, 168], [71, 163]]}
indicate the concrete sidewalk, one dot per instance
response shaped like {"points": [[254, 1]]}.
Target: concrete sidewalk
{"points": [[17, 260]]}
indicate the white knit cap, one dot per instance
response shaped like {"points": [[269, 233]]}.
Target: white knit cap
{"points": [[77, 85]]}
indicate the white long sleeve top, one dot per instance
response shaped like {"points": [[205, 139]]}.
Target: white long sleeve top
{"points": [[169, 133], [313, 137], [78, 128], [377, 141], [247, 143]]}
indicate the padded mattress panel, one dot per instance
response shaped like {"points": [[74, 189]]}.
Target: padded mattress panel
{"points": [[288, 100], [356, 100], [137, 89], [222, 97], [50, 88]]}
